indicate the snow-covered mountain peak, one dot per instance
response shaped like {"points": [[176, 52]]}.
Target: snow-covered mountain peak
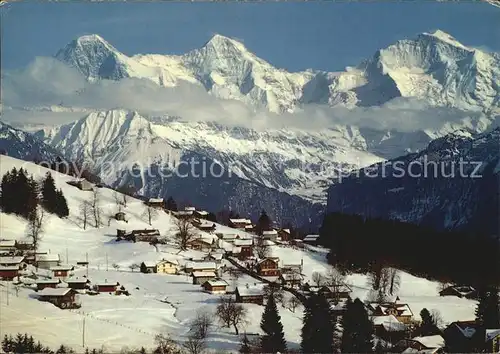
{"points": [[444, 37], [219, 41]]}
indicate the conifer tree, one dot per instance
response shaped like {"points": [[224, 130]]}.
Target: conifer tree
{"points": [[358, 330], [171, 204], [273, 340], [487, 309], [62, 209], [264, 223], [428, 326], [49, 194], [318, 331]]}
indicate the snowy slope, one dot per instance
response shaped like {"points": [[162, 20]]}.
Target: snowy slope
{"points": [[453, 183], [432, 66], [116, 321]]}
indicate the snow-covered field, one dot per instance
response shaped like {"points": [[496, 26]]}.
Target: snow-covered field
{"points": [[158, 303]]}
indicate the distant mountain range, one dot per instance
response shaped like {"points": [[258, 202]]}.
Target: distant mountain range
{"points": [[452, 184]]}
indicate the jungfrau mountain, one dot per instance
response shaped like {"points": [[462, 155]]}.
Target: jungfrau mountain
{"points": [[432, 66]]}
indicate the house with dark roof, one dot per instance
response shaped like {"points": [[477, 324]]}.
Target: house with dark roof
{"points": [[250, 294], [465, 291]]}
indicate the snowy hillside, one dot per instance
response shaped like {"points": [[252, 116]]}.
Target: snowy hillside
{"points": [[158, 303], [454, 183], [432, 66]]}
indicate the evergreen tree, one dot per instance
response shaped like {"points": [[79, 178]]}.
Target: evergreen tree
{"points": [[245, 345], [49, 194], [264, 223], [487, 309], [358, 329], [318, 331], [171, 204], [211, 217], [273, 340], [428, 325], [62, 209]]}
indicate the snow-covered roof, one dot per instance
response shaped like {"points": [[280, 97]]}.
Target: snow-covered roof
{"points": [[311, 238], [11, 260], [340, 306], [149, 264], [248, 227], [170, 261], [48, 257], [491, 333], [286, 230], [202, 212], [155, 200], [203, 274], [190, 209], [404, 309], [7, 243], [54, 291], [228, 236], [243, 242], [9, 268], [255, 290], [48, 281], [201, 265], [269, 233], [241, 221], [292, 276], [435, 341], [183, 212], [216, 256], [236, 249], [390, 323], [76, 281], [105, 283], [61, 267], [216, 282]]}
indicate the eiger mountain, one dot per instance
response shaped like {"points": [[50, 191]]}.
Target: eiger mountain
{"points": [[452, 184], [433, 66]]}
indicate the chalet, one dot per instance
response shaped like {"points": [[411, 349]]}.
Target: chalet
{"points": [[492, 341], [61, 271], [426, 344], [291, 279], [297, 242], [204, 225], [402, 312], [200, 244], [311, 239], [389, 328], [462, 336], [8, 245], [200, 267], [46, 261], [284, 234], [82, 263], [47, 283], [293, 267], [239, 223], [268, 267], [341, 291], [467, 292], [214, 257], [215, 286], [78, 284], [155, 202], [167, 267], [250, 228], [120, 216], [60, 297], [106, 287], [250, 294], [271, 235], [8, 261], [25, 245], [246, 246], [183, 214], [146, 235], [9, 272], [148, 267], [190, 209], [202, 214], [201, 277], [227, 237], [82, 184]]}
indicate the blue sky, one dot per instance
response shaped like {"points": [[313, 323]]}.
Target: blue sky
{"points": [[291, 35]]}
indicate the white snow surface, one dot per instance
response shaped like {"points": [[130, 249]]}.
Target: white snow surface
{"points": [[158, 303]]}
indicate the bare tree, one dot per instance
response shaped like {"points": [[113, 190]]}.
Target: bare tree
{"points": [[202, 323], [185, 233], [443, 285], [96, 208], [118, 200], [126, 191], [276, 292], [293, 303], [134, 266], [230, 313], [317, 278], [261, 247], [335, 279], [35, 226], [116, 266], [150, 213], [437, 319], [394, 280], [165, 345], [194, 344], [85, 212]]}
